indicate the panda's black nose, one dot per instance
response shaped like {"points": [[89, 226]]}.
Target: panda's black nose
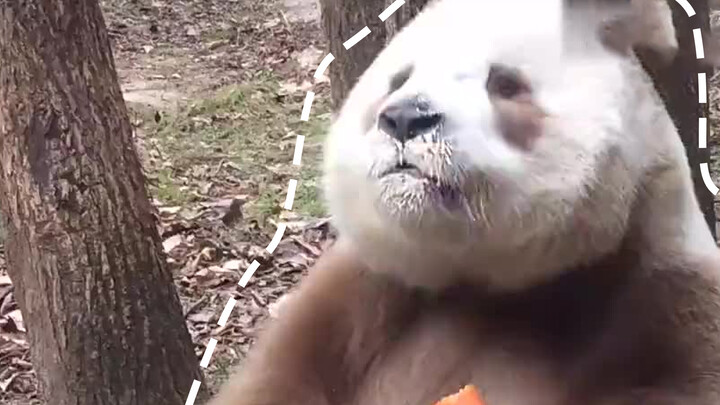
{"points": [[408, 118]]}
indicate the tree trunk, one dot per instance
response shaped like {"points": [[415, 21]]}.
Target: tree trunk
{"points": [[678, 86], [344, 18], [104, 320], [400, 18]]}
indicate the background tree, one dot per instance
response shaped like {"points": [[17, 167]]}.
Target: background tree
{"points": [[105, 323], [342, 19]]}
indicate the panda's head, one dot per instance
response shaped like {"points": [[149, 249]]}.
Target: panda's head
{"points": [[491, 132]]}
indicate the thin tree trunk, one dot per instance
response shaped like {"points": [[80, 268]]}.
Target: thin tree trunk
{"points": [[400, 18], [678, 86], [344, 18], [341, 19], [104, 320]]}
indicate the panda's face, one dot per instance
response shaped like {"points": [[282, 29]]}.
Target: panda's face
{"points": [[482, 121]]}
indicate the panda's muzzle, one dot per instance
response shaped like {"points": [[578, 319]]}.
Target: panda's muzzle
{"points": [[408, 118]]}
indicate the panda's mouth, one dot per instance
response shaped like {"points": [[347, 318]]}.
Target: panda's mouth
{"points": [[408, 189], [405, 168], [410, 170], [432, 183]]}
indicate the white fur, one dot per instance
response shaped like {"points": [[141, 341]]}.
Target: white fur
{"points": [[589, 181]]}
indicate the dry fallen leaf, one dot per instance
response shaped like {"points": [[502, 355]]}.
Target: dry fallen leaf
{"points": [[169, 210], [233, 265], [5, 280], [17, 318], [201, 317], [172, 242]]}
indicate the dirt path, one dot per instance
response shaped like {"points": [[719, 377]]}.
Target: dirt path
{"points": [[213, 88], [197, 55], [307, 11]]}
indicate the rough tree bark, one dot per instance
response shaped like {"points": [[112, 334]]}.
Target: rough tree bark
{"points": [[677, 84], [402, 16], [344, 18], [105, 322]]}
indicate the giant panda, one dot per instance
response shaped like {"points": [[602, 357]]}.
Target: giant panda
{"points": [[515, 211]]}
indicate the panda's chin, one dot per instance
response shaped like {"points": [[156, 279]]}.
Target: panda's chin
{"points": [[408, 195]]}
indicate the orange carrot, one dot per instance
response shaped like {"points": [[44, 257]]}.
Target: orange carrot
{"points": [[468, 395]]}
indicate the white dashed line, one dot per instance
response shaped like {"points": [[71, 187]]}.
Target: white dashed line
{"points": [[687, 7], [208, 353], [291, 194], [276, 239], [705, 173], [391, 10], [193, 392], [226, 312], [323, 66], [702, 99], [702, 124], [248, 273], [299, 142], [305, 116], [702, 132], [702, 88], [699, 50], [356, 38], [306, 107]]}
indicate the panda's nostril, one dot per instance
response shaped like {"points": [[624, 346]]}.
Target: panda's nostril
{"points": [[386, 123], [424, 123], [407, 119]]}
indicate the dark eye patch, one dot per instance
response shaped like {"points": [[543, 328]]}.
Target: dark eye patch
{"points": [[506, 82], [400, 78]]}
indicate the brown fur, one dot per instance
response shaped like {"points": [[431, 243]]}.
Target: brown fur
{"points": [[520, 120], [614, 333], [635, 24]]}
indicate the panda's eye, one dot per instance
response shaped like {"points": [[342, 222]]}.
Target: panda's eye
{"points": [[399, 78], [506, 82]]}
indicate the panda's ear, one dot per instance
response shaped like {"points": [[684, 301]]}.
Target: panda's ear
{"points": [[647, 26], [711, 50], [639, 24]]}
